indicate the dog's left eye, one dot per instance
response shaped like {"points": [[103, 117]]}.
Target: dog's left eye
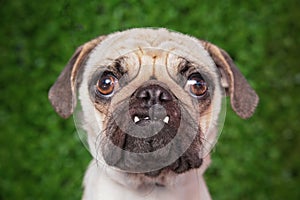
{"points": [[107, 84], [197, 85]]}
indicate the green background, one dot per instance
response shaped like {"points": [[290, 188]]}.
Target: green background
{"points": [[41, 156]]}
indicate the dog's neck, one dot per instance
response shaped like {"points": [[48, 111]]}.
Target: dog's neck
{"points": [[108, 183]]}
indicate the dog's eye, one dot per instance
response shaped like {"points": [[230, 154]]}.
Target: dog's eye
{"points": [[197, 85], [107, 84]]}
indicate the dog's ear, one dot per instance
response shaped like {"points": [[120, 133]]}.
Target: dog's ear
{"points": [[62, 94], [242, 97]]}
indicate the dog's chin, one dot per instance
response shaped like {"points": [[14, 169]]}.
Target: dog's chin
{"points": [[188, 161], [181, 165]]}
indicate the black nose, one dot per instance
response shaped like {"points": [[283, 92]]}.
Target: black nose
{"points": [[153, 94]]}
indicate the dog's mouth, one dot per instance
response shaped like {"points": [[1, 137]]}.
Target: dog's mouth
{"points": [[151, 133], [146, 120], [165, 140], [165, 149]]}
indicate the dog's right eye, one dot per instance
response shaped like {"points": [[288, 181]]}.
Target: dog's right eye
{"points": [[106, 85]]}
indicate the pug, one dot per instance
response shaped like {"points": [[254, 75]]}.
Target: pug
{"points": [[150, 104]]}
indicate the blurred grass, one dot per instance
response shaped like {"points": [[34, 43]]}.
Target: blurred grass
{"points": [[41, 156]]}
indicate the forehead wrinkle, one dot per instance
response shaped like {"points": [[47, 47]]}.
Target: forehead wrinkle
{"points": [[153, 67], [139, 53], [139, 59], [140, 49]]}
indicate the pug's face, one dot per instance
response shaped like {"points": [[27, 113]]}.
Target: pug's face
{"points": [[150, 100]]}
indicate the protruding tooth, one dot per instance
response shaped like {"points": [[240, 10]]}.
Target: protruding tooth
{"points": [[166, 119], [136, 119], [147, 118]]}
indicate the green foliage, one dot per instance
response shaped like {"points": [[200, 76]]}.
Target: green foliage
{"points": [[41, 156]]}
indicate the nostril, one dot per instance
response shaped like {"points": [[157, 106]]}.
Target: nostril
{"points": [[153, 94], [143, 94], [165, 96]]}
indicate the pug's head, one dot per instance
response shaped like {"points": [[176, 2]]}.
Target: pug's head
{"points": [[150, 100]]}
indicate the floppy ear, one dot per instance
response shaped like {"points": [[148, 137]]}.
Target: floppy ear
{"points": [[62, 94], [242, 97]]}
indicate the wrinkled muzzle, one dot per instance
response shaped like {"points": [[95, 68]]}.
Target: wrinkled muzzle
{"points": [[154, 132]]}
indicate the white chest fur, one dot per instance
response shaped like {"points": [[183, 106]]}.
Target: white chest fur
{"points": [[99, 185]]}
